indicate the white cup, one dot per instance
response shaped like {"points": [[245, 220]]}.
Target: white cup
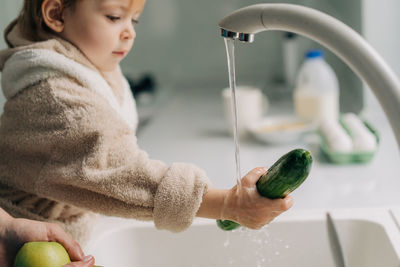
{"points": [[252, 104]]}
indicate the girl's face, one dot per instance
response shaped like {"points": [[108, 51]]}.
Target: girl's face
{"points": [[102, 29]]}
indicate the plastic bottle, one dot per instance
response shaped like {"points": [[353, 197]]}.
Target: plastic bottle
{"points": [[316, 96]]}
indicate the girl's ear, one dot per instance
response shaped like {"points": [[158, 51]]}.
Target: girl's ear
{"points": [[52, 12]]}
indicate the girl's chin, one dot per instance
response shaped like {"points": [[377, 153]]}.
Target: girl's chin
{"points": [[109, 67]]}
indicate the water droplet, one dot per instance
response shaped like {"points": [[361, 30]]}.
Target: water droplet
{"points": [[226, 243]]}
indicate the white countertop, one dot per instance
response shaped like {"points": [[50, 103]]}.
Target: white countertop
{"points": [[189, 126]]}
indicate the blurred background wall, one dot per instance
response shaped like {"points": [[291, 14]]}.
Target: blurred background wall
{"points": [[178, 43]]}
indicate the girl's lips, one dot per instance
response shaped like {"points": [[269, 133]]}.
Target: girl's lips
{"points": [[119, 53]]}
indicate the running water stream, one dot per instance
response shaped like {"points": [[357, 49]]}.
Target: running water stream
{"points": [[230, 53], [261, 237]]}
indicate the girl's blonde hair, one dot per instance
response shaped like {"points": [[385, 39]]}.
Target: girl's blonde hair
{"points": [[31, 21]]}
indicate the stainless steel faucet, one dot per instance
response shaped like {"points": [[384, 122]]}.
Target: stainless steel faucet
{"points": [[347, 44]]}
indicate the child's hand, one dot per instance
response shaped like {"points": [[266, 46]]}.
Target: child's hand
{"points": [[14, 232], [248, 207]]}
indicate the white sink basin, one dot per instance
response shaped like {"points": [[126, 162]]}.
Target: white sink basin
{"points": [[370, 238]]}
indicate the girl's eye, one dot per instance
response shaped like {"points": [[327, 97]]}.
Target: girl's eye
{"points": [[134, 21], [113, 18]]}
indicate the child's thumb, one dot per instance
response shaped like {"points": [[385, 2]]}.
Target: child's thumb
{"points": [[252, 177]]}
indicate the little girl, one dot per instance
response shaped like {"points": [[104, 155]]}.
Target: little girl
{"points": [[68, 148]]}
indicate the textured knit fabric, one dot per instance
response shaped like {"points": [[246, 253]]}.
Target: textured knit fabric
{"points": [[68, 148]]}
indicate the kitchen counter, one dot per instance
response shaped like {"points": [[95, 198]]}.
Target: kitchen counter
{"points": [[189, 126]]}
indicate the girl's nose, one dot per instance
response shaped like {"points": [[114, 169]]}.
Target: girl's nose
{"points": [[128, 33]]}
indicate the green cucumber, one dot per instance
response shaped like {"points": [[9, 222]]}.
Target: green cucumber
{"points": [[282, 178], [227, 225]]}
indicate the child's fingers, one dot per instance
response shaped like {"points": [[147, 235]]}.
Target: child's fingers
{"points": [[275, 207], [252, 177], [280, 205]]}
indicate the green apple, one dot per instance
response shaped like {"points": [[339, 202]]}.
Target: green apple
{"points": [[41, 254]]}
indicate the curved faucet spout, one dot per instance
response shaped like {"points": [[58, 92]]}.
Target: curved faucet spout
{"points": [[330, 32]]}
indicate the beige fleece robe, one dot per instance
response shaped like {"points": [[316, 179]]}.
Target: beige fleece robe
{"points": [[68, 148]]}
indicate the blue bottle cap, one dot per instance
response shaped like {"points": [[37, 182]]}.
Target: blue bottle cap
{"points": [[314, 54]]}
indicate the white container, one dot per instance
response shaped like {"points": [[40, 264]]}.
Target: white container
{"points": [[252, 104], [316, 96]]}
